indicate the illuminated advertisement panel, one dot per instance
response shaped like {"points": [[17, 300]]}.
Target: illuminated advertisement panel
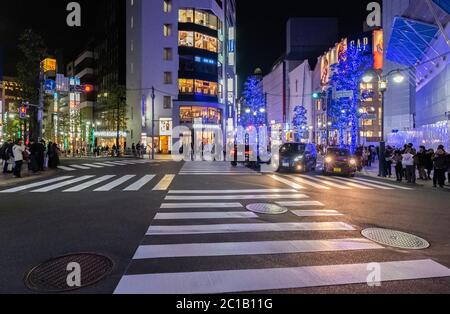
{"points": [[378, 50]]}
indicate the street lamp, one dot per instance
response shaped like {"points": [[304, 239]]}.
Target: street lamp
{"points": [[398, 77]]}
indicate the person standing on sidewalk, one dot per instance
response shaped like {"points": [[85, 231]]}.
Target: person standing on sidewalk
{"points": [[429, 163], [398, 165], [440, 167], [18, 152], [421, 163], [408, 165], [6, 155]]}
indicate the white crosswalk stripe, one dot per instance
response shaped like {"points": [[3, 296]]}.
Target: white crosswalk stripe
{"points": [[80, 167], [103, 164], [309, 183], [140, 183], [66, 168], [165, 183], [92, 166], [142, 279], [230, 281], [327, 182], [353, 185], [62, 184], [215, 169], [35, 185], [86, 185], [115, 183]]}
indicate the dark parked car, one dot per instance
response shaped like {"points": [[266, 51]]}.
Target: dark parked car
{"points": [[298, 157], [340, 161]]}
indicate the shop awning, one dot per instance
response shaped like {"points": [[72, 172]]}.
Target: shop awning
{"points": [[410, 41], [443, 4]]}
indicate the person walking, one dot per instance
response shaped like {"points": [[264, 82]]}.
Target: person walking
{"points": [[440, 167], [18, 152]]}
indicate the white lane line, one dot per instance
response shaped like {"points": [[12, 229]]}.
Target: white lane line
{"points": [[247, 228], [92, 166], [328, 182], [287, 182], [115, 184], [385, 184], [116, 163], [253, 248], [231, 191], [102, 164], [354, 185], [235, 197], [200, 205], [307, 182], [316, 213], [80, 167], [36, 185], [215, 215], [62, 184], [300, 204], [234, 281], [165, 183], [111, 164], [65, 168], [86, 185], [140, 183], [367, 184]]}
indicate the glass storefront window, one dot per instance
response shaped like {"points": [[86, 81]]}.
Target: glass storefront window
{"points": [[186, 15], [186, 39], [186, 86]]}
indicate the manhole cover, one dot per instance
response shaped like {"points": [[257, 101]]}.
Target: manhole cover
{"points": [[52, 276], [269, 209], [395, 239]]}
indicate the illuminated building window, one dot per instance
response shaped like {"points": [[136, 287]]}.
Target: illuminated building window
{"points": [[186, 16], [167, 6], [205, 42], [206, 88], [186, 39], [186, 86], [167, 30], [208, 115]]}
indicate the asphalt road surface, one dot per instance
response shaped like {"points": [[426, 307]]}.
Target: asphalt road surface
{"points": [[184, 228]]}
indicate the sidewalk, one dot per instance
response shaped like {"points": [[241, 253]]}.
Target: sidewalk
{"points": [[373, 172]]}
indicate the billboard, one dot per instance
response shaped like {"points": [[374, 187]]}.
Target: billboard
{"points": [[378, 50], [49, 66]]}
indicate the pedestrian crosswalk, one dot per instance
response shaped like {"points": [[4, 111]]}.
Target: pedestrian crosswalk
{"points": [[210, 228], [93, 183], [328, 183], [200, 168], [103, 164]]}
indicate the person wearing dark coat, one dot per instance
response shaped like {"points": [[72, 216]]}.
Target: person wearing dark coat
{"points": [[34, 159], [440, 167], [428, 162]]}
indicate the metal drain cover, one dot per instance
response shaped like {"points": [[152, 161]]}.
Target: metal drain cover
{"points": [[395, 239], [269, 209], [51, 276]]}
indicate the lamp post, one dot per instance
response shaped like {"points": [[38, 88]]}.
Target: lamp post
{"points": [[398, 78]]}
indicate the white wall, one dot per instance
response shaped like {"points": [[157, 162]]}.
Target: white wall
{"points": [[273, 87]]}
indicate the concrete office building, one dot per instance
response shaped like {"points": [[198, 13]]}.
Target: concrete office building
{"points": [[186, 51]]}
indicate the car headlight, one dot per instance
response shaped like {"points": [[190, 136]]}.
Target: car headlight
{"points": [[298, 158], [353, 162], [328, 160]]}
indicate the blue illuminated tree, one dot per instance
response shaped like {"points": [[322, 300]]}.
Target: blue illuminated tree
{"points": [[253, 111], [347, 76], [300, 121]]}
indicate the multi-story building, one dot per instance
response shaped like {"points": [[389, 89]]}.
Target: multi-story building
{"points": [[10, 125], [185, 53], [417, 41]]}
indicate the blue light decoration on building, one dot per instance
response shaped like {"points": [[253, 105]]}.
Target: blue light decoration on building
{"points": [[443, 4], [410, 41]]}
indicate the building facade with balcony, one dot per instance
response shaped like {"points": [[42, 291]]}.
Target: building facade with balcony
{"points": [[181, 59]]}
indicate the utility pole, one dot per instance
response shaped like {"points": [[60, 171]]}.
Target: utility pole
{"points": [[118, 127], [153, 123], [40, 109]]}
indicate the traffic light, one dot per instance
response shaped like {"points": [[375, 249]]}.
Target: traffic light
{"points": [[317, 95], [88, 88], [23, 113]]}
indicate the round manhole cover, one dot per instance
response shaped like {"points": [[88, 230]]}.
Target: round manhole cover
{"points": [[269, 209], [395, 239], [60, 274]]}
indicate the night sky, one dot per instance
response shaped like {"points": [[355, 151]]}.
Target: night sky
{"points": [[261, 26]]}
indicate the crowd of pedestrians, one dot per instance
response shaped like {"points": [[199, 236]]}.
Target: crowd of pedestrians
{"points": [[37, 155], [412, 164]]}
